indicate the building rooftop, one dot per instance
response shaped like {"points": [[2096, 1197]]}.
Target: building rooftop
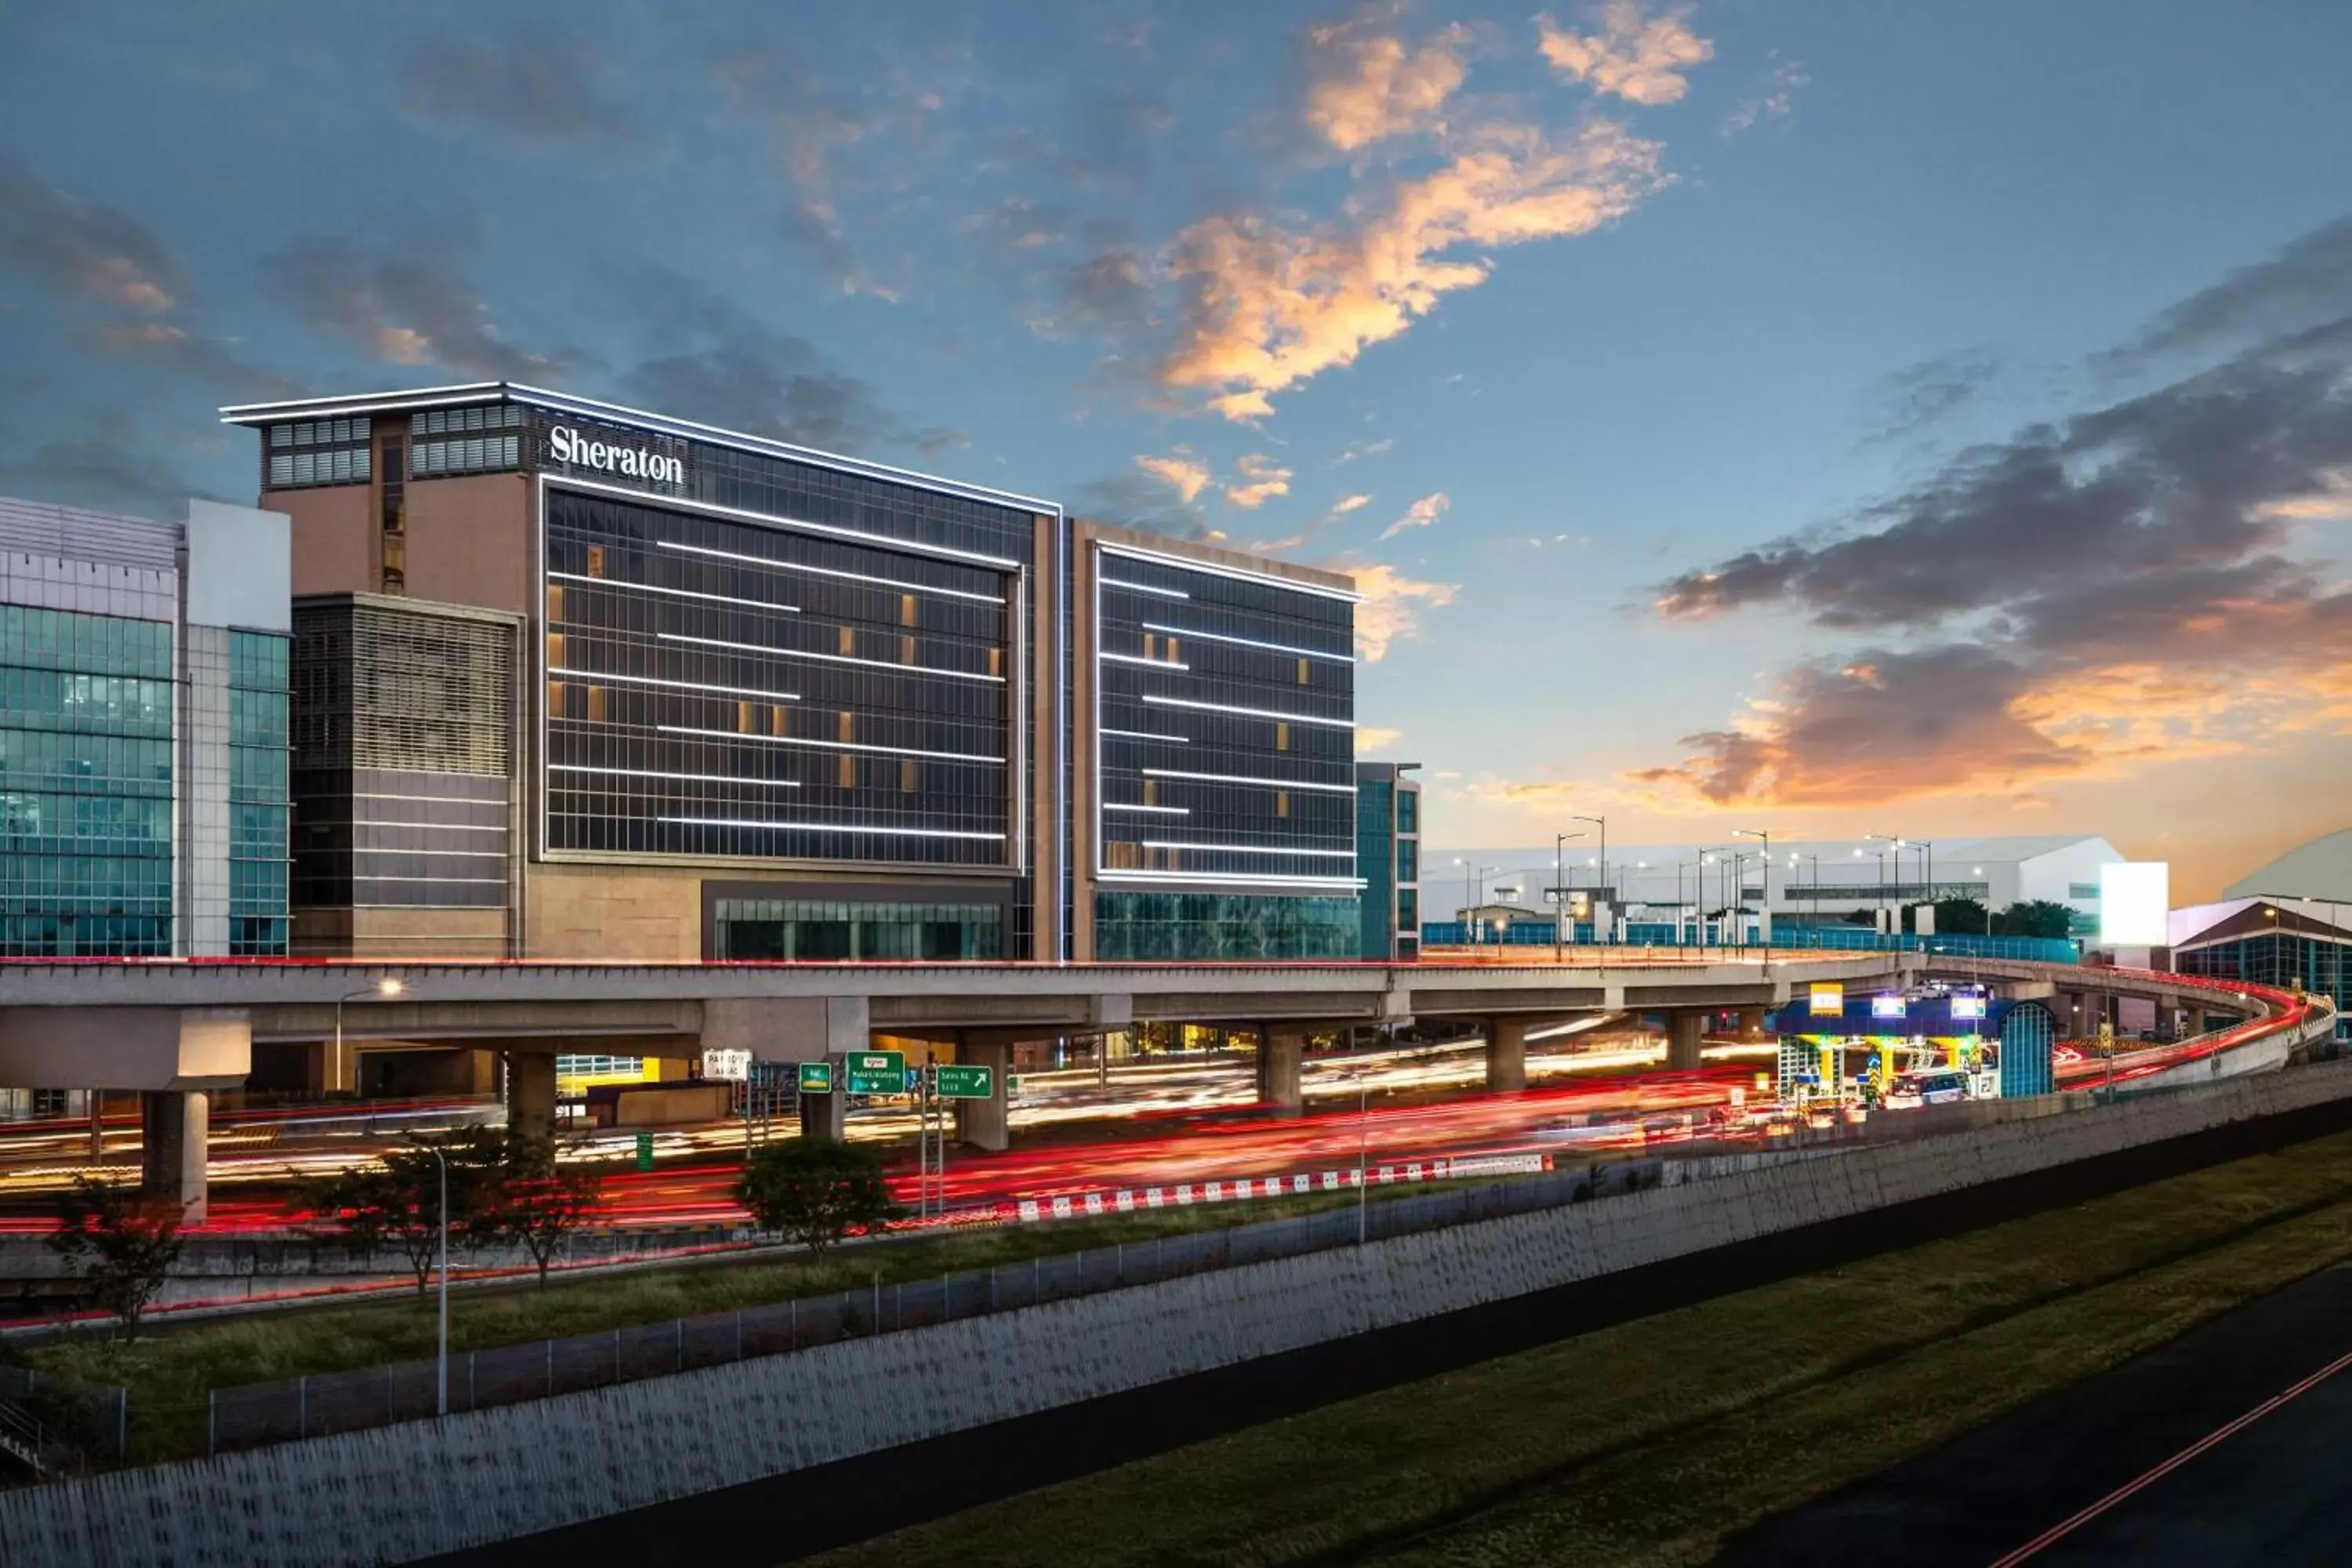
{"points": [[2319, 869]]}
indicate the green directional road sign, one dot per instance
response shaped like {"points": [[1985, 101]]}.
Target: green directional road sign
{"points": [[967, 1082], [816, 1078], [645, 1151], [877, 1072]]}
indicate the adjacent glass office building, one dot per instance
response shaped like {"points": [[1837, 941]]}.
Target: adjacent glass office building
{"points": [[142, 732], [1388, 852], [765, 703]]}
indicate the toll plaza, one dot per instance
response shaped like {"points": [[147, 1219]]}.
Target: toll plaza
{"points": [[1843, 1043]]}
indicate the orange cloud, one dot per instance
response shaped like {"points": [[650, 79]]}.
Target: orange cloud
{"points": [[1182, 472], [1268, 307], [1366, 87], [1420, 514], [1372, 737], [1261, 479], [1640, 61], [1393, 606]]}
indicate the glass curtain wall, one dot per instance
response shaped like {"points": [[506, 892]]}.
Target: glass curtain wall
{"points": [[2281, 959], [258, 805], [85, 784]]}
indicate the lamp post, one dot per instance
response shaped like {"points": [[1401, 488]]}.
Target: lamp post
{"points": [[1602, 824], [385, 988], [1878, 894], [1764, 916], [1363, 1144], [441, 1371], [1560, 894], [1478, 874]]}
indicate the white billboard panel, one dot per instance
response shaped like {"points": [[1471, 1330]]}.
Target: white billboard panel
{"points": [[2134, 896]]}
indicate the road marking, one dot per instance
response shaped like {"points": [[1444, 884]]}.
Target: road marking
{"points": [[2066, 1526]]}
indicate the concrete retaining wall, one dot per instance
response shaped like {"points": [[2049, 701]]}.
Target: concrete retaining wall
{"points": [[398, 1493]]}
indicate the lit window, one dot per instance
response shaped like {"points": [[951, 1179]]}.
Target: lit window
{"points": [[1302, 672], [596, 560]]}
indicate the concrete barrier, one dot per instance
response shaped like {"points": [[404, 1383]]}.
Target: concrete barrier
{"points": [[398, 1493]]}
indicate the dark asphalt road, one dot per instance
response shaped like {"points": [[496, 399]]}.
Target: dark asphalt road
{"points": [[2278, 1490]]}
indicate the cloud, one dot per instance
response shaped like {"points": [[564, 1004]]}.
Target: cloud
{"points": [[1641, 60], [403, 302], [1182, 472], [1262, 479], [1920, 396], [1342, 508], [81, 249], [1393, 606], [1366, 85], [1362, 450], [1420, 514], [1372, 737], [1777, 99], [545, 87], [211, 361], [730, 368], [1133, 500], [1263, 306], [2089, 596], [2308, 281], [92, 457]]}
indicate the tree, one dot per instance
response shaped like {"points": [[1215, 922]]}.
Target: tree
{"points": [[539, 1202], [396, 1206], [1965, 917], [814, 1190], [124, 1243], [2037, 917]]}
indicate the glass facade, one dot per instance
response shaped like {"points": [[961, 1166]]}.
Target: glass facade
{"points": [[1143, 926], [2280, 959], [86, 706], [1375, 842], [258, 799], [855, 929], [721, 688], [1225, 714]]}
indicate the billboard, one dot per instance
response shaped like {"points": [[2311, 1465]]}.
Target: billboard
{"points": [[2134, 896], [1967, 1007], [1828, 998], [1889, 1007]]}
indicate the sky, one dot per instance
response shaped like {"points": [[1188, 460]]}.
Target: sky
{"points": [[1927, 419]]}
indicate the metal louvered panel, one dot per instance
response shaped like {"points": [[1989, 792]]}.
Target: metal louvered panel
{"points": [[383, 687]]}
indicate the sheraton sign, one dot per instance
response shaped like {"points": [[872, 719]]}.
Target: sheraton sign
{"points": [[566, 445]]}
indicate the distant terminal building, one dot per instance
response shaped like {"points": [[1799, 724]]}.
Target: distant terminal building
{"points": [[574, 680], [1732, 890], [2286, 923]]}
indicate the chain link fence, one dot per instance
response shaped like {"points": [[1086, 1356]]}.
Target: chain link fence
{"points": [[258, 1414]]}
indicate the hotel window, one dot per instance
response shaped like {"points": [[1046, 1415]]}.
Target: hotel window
{"points": [[743, 724], [1282, 737], [555, 699], [848, 729], [555, 650], [905, 609], [555, 601], [776, 719], [595, 705], [848, 772], [1282, 803], [1175, 651], [596, 560], [1152, 645], [909, 777], [1302, 672], [905, 650]]}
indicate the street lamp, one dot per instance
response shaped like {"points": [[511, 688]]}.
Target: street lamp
{"points": [[385, 987], [1602, 824], [441, 1376], [1560, 894], [1470, 914], [1764, 916]]}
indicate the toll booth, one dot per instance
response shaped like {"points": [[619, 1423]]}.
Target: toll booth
{"points": [[1900, 1031]]}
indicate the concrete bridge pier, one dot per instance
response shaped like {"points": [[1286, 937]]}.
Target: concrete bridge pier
{"points": [[984, 1123], [531, 1093], [1506, 1053], [1686, 1031], [1751, 1023], [1279, 1054], [173, 1125]]}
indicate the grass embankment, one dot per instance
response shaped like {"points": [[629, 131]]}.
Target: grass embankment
{"points": [[1653, 1441], [170, 1373]]}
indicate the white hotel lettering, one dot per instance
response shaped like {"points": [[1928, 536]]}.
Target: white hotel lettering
{"points": [[566, 445]]}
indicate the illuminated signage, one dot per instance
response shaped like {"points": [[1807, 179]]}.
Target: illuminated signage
{"points": [[1828, 998], [1967, 1007], [1887, 1008], [733, 1065], [566, 445]]}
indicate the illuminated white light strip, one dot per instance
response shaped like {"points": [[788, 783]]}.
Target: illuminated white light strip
{"points": [[830, 657], [1157, 810], [826, 745], [1248, 850], [1248, 642], [1142, 588], [683, 778], [1251, 713], [1183, 563], [598, 677], [827, 827], [772, 564], [681, 593], [1146, 735], [437, 826], [1138, 658], [1236, 778], [1234, 879]]}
